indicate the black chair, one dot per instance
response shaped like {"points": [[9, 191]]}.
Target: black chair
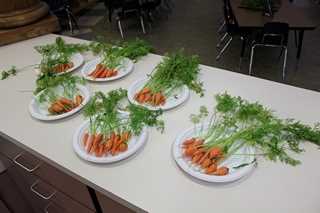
{"points": [[123, 7], [232, 29], [62, 9], [149, 6], [275, 34]]}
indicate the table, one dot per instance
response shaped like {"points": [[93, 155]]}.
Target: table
{"points": [[295, 16], [151, 181]]}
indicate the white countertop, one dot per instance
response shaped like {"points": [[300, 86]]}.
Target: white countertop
{"points": [[151, 180]]}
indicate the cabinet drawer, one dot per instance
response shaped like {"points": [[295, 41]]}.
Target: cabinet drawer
{"points": [[46, 198], [31, 164]]}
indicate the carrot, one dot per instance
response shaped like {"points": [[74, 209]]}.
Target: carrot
{"points": [[162, 100], [158, 98], [108, 145], [145, 90], [215, 152], [103, 73], [196, 158], [79, 100], [205, 156], [98, 73], [123, 147], [212, 168], [141, 98], [57, 108], [126, 136], [66, 101], [190, 151], [207, 162], [201, 150], [98, 67], [114, 72], [99, 150], [90, 143], [221, 171], [96, 142], [116, 143], [85, 139], [109, 74]]}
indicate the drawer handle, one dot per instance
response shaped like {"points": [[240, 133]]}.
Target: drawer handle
{"points": [[15, 160], [39, 194]]}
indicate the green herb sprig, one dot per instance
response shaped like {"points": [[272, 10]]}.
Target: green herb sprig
{"points": [[236, 123]]}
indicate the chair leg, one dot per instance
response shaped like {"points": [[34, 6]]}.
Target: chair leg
{"points": [[70, 23], [224, 48], [142, 24], [74, 21], [284, 63], [251, 59], [120, 28]]}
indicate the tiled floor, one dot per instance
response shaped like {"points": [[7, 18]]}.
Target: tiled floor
{"points": [[192, 25]]}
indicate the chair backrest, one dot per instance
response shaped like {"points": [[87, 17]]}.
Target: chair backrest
{"points": [[230, 20], [275, 33]]}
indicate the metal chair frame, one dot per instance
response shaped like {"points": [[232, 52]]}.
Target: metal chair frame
{"points": [[282, 44]]}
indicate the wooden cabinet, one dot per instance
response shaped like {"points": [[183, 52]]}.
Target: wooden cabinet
{"points": [[44, 187], [47, 189]]}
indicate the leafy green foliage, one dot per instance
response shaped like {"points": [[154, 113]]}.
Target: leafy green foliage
{"points": [[48, 85], [237, 122], [102, 110], [6, 73], [59, 52], [174, 71]]}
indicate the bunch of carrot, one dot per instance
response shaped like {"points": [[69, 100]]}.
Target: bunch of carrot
{"points": [[206, 158], [102, 71], [147, 96], [62, 67], [63, 105], [101, 145]]}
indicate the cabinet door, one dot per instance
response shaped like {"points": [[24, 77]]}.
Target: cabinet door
{"points": [[109, 205]]}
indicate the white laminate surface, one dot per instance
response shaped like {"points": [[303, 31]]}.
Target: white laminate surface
{"points": [[151, 180]]}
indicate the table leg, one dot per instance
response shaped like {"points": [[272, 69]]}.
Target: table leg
{"points": [[243, 48], [94, 199], [300, 40]]}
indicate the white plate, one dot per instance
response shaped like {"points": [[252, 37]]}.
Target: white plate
{"points": [[232, 161], [42, 113], [178, 97], [134, 144], [125, 68]]}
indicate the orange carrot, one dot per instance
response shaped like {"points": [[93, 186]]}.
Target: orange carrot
{"points": [[123, 147], [196, 158], [96, 142], [215, 152], [207, 162], [190, 151], [85, 139], [90, 143], [212, 168], [221, 171], [145, 90], [66, 101], [79, 100]]}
